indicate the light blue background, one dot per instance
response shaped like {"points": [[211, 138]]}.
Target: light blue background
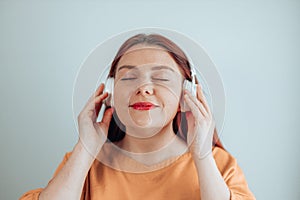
{"points": [[255, 46]]}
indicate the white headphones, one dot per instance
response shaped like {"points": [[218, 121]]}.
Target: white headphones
{"points": [[187, 85], [109, 88], [191, 87]]}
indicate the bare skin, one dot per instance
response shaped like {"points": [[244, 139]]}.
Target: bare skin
{"points": [[201, 126], [68, 184], [69, 181]]}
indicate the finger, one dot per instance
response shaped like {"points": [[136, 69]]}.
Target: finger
{"points": [[95, 102], [107, 116], [98, 102], [194, 109], [201, 97], [99, 90], [197, 103]]}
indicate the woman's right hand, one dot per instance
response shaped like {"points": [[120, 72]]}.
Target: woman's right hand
{"points": [[93, 134]]}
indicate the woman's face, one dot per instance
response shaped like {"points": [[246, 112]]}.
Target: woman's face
{"points": [[148, 85]]}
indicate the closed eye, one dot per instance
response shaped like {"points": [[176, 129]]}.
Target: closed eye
{"points": [[161, 79], [125, 79]]}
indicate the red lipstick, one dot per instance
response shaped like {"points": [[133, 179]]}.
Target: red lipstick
{"points": [[143, 106]]}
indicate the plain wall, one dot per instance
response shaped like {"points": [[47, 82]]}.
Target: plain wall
{"points": [[255, 46]]}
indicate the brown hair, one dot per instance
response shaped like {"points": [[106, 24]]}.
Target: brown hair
{"points": [[115, 132]]}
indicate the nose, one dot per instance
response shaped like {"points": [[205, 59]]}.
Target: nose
{"points": [[145, 90]]}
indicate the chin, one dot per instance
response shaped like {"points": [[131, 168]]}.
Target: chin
{"points": [[143, 132]]}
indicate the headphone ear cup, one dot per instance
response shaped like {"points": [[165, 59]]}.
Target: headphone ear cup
{"points": [[109, 88], [187, 85]]}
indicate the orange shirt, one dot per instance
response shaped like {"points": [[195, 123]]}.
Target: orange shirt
{"points": [[179, 180]]}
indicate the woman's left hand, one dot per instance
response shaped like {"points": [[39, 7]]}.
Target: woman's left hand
{"points": [[200, 124]]}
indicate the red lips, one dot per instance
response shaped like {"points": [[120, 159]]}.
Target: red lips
{"points": [[143, 106]]}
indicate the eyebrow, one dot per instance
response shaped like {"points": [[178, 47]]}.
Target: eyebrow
{"points": [[162, 67], [127, 67], [153, 68]]}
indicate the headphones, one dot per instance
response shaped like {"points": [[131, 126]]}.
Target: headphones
{"points": [[187, 85], [191, 87], [109, 88]]}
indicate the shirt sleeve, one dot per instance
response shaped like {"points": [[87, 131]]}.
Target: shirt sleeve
{"points": [[34, 194], [232, 175]]}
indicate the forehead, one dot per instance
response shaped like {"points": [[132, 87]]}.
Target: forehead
{"points": [[140, 55]]}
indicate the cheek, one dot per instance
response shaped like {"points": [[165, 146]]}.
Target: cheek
{"points": [[117, 96], [122, 93], [121, 101], [171, 100], [120, 105], [173, 97], [172, 94]]}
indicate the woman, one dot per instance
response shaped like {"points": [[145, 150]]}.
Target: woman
{"points": [[144, 121]]}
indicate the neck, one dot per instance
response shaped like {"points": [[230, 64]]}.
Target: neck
{"points": [[162, 146], [162, 139]]}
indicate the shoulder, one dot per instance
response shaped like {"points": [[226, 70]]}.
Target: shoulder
{"points": [[66, 156], [232, 174], [226, 163], [222, 155], [62, 163]]}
